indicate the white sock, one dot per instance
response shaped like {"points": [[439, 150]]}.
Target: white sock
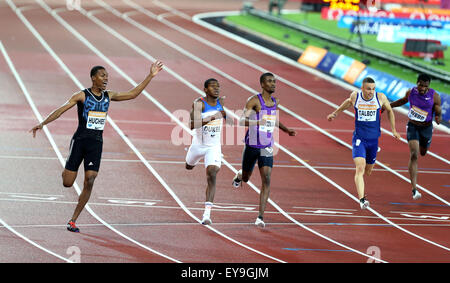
{"points": [[208, 206]]}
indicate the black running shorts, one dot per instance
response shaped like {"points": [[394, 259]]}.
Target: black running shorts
{"points": [[89, 150], [421, 133], [264, 156]]}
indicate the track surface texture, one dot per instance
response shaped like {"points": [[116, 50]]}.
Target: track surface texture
{"points": [[145, 207]]}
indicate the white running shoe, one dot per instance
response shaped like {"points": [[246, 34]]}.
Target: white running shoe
{"points": [[236, 182], [206, 220], [260, 223], [416, 195], [364, 203]]}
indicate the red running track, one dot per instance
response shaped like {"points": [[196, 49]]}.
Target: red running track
{"points": [[134, 202]]}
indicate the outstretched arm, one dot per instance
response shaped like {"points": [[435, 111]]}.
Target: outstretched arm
{"points": [[79, 96], [344, 106], [287, 130], [401, 101], [134, 92], [387, 106]]}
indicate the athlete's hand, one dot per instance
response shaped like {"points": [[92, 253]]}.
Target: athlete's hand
{"points": [[331, 116], [291, 132], [35, 129], [396, 135], [437, 119], [228, 120], [156, 67]]}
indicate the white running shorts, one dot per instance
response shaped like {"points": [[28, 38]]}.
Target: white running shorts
{"points": [[211, 154]]}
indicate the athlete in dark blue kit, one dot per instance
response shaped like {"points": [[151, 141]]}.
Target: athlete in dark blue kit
{"points": [[87, 142], [367, 104]]}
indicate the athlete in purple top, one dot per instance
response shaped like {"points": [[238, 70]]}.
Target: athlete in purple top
{"points": [[260, 116], [424, 102], [261, 135]]}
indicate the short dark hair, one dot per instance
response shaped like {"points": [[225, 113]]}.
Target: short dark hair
{"points": [[263, 77], [95, 69], [368, 80], [424, 78], [208, 81]]}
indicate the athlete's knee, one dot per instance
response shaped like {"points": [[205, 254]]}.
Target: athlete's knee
{"points": [[266, 181], [368, 171], [266, 178], [360, 169], [413, 155], [67, 180], [246, 176], [90, 180], [211, 172], [67, 184], [423, 151]]}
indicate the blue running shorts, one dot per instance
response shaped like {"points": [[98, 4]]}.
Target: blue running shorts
{"points": [[365, 148]]}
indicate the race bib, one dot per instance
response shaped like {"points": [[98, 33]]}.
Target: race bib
{"points": [[367, 113], [417, 114], [213, 128], [267, 151], [269, 126], [96, 120]]}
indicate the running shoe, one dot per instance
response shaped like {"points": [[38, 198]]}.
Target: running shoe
{"points": [[416, 195], [236, 182], [260, 223], [72, 228], [364, 203], [206, 220]]}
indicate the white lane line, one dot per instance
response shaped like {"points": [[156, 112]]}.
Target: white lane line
{"points": [[49, 136], [11, 228], [22, 86], [145, 54], [175, 224], [140, 51], [231, 163], [330, 213], [28, 194], [119, 131]]}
